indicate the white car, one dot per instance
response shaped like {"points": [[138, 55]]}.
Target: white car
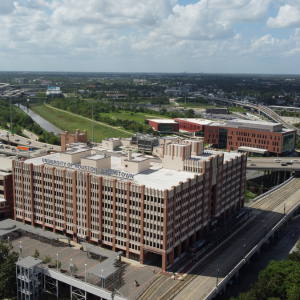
{"points": [[277, 159], [294, 160]]}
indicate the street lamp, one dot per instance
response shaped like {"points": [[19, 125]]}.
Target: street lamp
{"points": [[57, 262], [20, 247], [102, 277], [71, 266], [85, 272]]}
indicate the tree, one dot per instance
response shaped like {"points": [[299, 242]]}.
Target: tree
{"points": [[8, 258], [57, 263], [36, 254], [75, 269], [47, 259]]}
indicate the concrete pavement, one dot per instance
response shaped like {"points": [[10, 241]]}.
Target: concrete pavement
{"points": [[207, 278]]}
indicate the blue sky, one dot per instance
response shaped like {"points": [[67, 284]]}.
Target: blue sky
{"points": [[232, 36]]}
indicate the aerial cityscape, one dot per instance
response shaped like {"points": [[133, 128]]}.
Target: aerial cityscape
{"points": [[149, 150]]}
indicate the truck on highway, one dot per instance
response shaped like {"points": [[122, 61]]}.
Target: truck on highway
{"points": [[24, 148]]}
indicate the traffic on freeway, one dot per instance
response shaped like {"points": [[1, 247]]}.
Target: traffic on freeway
{"points": [[7, 138], [274, 163]]}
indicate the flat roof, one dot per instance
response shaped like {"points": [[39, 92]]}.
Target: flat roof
{"points": [[162, 120], [77, 150], [6, 164], [196, 121], [156, 177], [94, 157], [28, 262], [251, 149]]}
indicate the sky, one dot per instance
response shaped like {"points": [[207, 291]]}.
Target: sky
{"points": [[209, 36]]}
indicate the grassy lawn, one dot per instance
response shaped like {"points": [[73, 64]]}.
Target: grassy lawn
{"points": [[197, 105], [249, 195], [138, 117], [70, 123]]}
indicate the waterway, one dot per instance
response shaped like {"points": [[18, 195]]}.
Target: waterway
{"points": [[41, 121]]}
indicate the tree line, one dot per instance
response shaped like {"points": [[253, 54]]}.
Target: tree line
{"points": [[279, 281], [22, 121]]}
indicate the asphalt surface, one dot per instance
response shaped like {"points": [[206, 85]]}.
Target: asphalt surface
{"points": [[269, 163], [206, 279], [7, 138]]}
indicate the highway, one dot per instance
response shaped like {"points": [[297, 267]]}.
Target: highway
{"points": [[267, 111], [7, 138], [269, 164], [268, 211]]}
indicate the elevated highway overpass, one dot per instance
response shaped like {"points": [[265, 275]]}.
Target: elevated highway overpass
{"points": [[15, 140], [273, 164], [263, 109], [210, 274]]}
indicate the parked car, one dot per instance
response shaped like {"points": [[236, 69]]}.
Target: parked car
{"points": [[44, 145], [1, 146], [50, 147], [248, 159], [7, 147], [14, 149], [17, 140], [28, 143]]}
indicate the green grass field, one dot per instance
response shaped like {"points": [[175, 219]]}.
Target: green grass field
{"points": [[68, 122], [138, 117]]}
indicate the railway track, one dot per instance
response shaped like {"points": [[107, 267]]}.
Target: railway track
{"points": [[277, 197], [266, 204]]}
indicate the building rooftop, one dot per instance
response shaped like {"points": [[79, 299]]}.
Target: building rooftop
{"points": [[162, 120], [156, 177], [28, 262], [243, 124]]}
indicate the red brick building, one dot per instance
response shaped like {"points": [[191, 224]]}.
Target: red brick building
{"points": [[6, 196], [240, 133], [163, 124], [70, 138]]}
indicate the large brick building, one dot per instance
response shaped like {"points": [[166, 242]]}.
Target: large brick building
{"points": [[70, 138], [6, 189], [131, 203], [240, 133]]}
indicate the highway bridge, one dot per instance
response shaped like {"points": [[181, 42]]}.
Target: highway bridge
{"points": [[15, 140], [210, 274], [289, 164], [259, 108]]}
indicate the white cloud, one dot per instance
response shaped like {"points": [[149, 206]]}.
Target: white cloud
{"points": [[288, 16], [6, 7], [133, 35], [117, 14]]}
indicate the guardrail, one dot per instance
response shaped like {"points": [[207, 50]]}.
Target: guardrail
{"points": [[216, 290], [274, 189]]}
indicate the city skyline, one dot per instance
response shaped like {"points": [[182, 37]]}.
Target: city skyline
{"points": [[248, 36]]}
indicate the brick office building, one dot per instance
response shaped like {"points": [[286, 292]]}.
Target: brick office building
{"points": [[130, 203], [241, 133], [6, 189], [70, 138]]}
